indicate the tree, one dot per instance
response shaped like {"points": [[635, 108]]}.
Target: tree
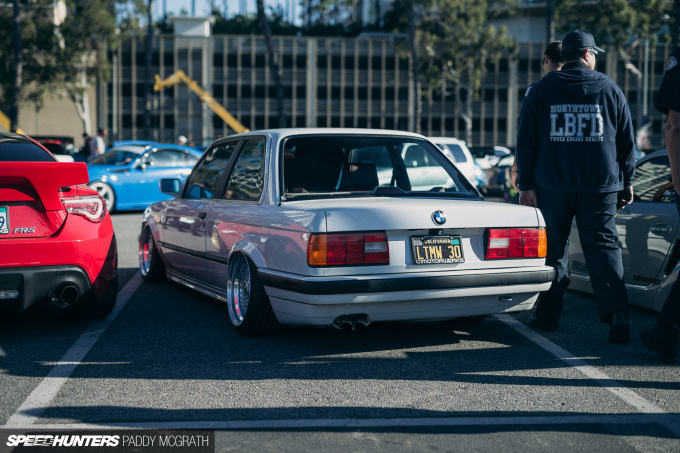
{"points": [[675, 23], [65, 55], [274, 66], [454, 45], [620, 25], [35, 39]]}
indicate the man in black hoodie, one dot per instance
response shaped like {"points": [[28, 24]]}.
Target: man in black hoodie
{"points": [[575, 159]]}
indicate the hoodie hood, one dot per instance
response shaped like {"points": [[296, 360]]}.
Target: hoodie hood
{"points": [[578, 80]]}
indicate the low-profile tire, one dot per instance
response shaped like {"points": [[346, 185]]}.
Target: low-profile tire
{"points": [[250, 310], [106, 192], [151, 265]]}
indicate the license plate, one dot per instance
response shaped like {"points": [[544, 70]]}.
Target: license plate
{"points": [[4, 220], [437, 250]]}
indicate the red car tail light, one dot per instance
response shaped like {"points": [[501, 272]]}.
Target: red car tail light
{"points": [[516, 243], [348, 249], [91, 207]]}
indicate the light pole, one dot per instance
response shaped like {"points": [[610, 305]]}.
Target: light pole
{"points": [[18, 69], [148, 80]]}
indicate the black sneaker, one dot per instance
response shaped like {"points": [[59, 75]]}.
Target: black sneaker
{"points": [[542, 325], [619, 329], [665, 350]]}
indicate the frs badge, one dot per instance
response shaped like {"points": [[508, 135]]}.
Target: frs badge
{"points": [[672, 62]]}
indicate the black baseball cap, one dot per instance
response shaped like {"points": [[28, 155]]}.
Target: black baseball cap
{"points": [[579, 39]]}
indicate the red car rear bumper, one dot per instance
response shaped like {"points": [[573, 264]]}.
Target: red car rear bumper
{"points": [[81, 255]]}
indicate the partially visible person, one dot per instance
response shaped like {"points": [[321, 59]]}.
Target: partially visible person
{"points": [[86, 149], [552, 61], [665, 336], [98, 145], [182, 140], [575, 160]]}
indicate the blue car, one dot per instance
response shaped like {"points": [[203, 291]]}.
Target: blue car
{"points": [[128, 177]]}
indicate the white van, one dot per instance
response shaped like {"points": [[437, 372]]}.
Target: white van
{"points": [[460, 155]]}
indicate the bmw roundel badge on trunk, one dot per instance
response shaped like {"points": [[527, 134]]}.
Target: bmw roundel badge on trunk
{"points": [[439, 218]]}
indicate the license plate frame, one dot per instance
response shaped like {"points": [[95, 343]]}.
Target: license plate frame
{"points": [[4, 219], [447, 249]]}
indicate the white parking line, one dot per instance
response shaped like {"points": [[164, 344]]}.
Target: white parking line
{"points": [[41, 397], [670, 422]]}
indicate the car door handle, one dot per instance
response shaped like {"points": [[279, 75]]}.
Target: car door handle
{"points": [[661, 229], [201, 215]]}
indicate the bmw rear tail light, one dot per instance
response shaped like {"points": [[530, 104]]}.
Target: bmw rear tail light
{"points": [[516, 243], [91, 207], [348, 249]]}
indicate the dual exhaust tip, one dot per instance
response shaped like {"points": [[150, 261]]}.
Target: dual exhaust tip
{"points": [[65, 295], [353, 322]]}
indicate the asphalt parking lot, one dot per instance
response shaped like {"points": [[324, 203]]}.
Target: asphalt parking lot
{"points": [[168, 359]]}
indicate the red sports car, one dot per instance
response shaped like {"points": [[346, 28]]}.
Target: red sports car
{"points": [[56, 238]]}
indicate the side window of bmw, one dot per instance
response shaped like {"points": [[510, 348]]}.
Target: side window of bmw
{"points": [[653, 181], [203, 181], [247, 178]]}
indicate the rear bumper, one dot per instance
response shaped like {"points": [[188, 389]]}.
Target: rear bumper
{"points": [[89, 265], [318, 301], [25, 286]]}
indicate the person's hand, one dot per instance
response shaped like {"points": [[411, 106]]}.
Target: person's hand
{"points": [[513, 179], [625, 197], [528, 198]]}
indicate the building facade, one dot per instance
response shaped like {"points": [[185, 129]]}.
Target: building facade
{"points": [[334, 82]]}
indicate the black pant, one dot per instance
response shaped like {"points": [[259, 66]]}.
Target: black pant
{"points": [[594, 213]]}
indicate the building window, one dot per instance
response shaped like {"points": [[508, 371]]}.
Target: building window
{"points": [[168, 59], [363, 62]]}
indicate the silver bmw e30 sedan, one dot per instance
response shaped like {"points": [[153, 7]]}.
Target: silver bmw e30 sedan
{"points": [[341, 227]]}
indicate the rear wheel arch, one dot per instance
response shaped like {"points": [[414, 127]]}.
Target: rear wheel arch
{"points": [[251, 251]]}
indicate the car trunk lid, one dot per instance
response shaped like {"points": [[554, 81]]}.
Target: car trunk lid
{"points": [[408, 221], [30, 196]]}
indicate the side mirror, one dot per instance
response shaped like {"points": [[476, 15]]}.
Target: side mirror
{"points": [[171, 186]]}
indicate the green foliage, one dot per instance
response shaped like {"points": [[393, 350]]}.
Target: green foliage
{"points": [[615, 23], [63, 57], [249, 24], [38, 39], [453, 39]]}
